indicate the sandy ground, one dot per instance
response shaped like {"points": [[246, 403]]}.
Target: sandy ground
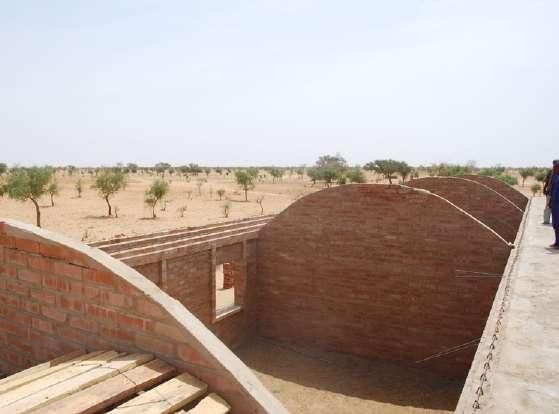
{"points": [[86, 218], [308, 382]]}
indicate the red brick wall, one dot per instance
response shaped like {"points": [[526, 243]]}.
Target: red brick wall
{"points": [[188, 279], [506, 190], [485, 204], [58, 295], [371, 270]]}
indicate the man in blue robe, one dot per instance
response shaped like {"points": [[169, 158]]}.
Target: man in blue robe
{"points": [[554, 203]]}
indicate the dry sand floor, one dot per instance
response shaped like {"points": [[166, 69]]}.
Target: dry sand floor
{"points": [[308, 382]]}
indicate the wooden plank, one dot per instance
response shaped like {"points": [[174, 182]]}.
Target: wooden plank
{"points": [[212, 404], [111, 391], [165, 398], [56, 377], [61, 389], [41, 367], [33, 376]]}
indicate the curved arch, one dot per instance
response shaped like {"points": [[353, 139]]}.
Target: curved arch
{"points": [[484, 203], [506, 190], [73, 296], [379, 271]]}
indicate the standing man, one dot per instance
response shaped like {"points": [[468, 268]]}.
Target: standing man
{"points": [[546, 188], [554, 203]]}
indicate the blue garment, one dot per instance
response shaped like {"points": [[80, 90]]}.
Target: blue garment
{"points": [[554, 193]]}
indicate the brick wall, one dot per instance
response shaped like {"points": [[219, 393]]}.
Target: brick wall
{"points": [[480, 201], [371, 270], [58, 295], [506, 190], [189, 278]]}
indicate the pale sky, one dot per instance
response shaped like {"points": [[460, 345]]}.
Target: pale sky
{"points": [[278, 82]]}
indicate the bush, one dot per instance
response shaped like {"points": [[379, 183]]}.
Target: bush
{"points": [[356, 175], [29, 184], [220, 193], [52, 189], [245, 179], [525, 173], [507, 178], [79, 187], [109, 183], [157, 190]]}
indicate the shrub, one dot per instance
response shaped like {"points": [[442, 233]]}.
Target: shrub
{"points": [[158, 189], [79, 187], [199, 183], [29, 184], [342, 180], [356, 175], [3, 168], [226, 208], [507, 178], [277, 174], [109, 183], [220, 193], [259, 201], [540, 175]]}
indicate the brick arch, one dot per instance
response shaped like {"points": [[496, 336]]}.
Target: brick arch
{"points": [[372, 270], [482, 202], [506, 190], [58, 295]]}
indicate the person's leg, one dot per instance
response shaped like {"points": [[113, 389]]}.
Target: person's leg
{"points": [[555, 213], [546, 211]]}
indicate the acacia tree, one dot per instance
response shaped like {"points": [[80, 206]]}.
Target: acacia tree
{"points": [[108, 183], [52, 189], [29, 184], [161, 167], [404, 170], [245, 179], [157, 190], [277, 174], [387, 168], [79, 187], [355, 175]]}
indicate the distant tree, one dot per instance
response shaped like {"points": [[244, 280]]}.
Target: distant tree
{"points": [[219, 170], [525, 173], [492, 171], [535, 188], [277, 174], [29, 184], [182, 210], [507, 178], [540, 175], [336, 161], [300, 172], [199, 183], [52, 189], [245, 179], [387, 168], [133, 168], [404, 170], [158, 189], [71, 169], [341, 180], [220, 193], [356, 175], [207, 171], [109, 183], [314, 174], [194, 169], [3, 168], [79, 187], [161, 167], [259, 201], [329, 174]]}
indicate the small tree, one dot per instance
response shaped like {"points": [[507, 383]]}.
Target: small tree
{"points": [[535, 188], [109, 183], [277, 174], [245, 179], [404, 170], [199, 183], [220, 193], [355, 175], [52, 189], [329, 174], [226, 209], [158, 189], [259, 201], [161, 167], [540, 175], [387, 168], [79, 187], [525, 173], [29, 184]]}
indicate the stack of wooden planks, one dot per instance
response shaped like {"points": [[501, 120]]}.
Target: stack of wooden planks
{"points": [[106, 382]]}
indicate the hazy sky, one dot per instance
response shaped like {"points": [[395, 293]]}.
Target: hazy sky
{"points": [[278, 81]]}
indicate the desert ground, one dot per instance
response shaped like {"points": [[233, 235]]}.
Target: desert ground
{"points": [[86, 218]]}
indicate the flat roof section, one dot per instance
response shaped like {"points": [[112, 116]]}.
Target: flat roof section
{"points": [[523, 371]]}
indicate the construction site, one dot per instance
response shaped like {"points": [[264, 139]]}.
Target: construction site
{"points": [[436, 295]]}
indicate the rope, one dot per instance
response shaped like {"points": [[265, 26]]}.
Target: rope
{"points": [[450, 350]]}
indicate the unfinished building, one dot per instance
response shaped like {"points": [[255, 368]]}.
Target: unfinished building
{"points": [[388, 272]]}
